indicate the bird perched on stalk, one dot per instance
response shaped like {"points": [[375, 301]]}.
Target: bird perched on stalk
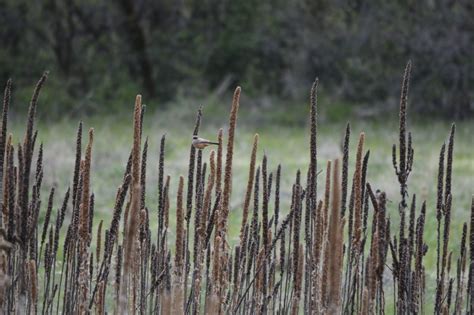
{"points": [[200, 143]]}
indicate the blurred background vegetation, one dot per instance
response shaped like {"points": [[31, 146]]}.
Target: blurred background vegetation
{"points": [[100, 53]]}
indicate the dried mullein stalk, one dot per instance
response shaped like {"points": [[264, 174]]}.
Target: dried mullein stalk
{"points": [[439, 207], [143, 174], [219, 161], [298, 282], [228, 163], [3, 132], [207, 197], [405, 152], [99, 241], [28, 144], [178, 289], [84, 213], [84, 235], [133, 219], [189, 196], [166, 203], [249, 187], [47, 218], [440, 290], [313, 142], [33, 279], [345, 169], [192, 158], [460, 274], [357, 237], [449, 163], [336, 242], [160, 188], [324, 235], [77, 164]]}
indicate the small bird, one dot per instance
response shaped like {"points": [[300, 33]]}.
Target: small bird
{"points": [[200, 143]]}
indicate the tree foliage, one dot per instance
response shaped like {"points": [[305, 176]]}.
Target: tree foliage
{"points": [[98, 49]]}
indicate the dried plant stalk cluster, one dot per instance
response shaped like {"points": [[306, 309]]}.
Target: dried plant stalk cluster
{"points": [[327, 254]]}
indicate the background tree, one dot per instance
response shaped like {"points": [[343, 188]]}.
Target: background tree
{"points": [[98, 51]]}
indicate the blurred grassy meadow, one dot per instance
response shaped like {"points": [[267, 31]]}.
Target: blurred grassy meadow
{"points": [[284, 137]]}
